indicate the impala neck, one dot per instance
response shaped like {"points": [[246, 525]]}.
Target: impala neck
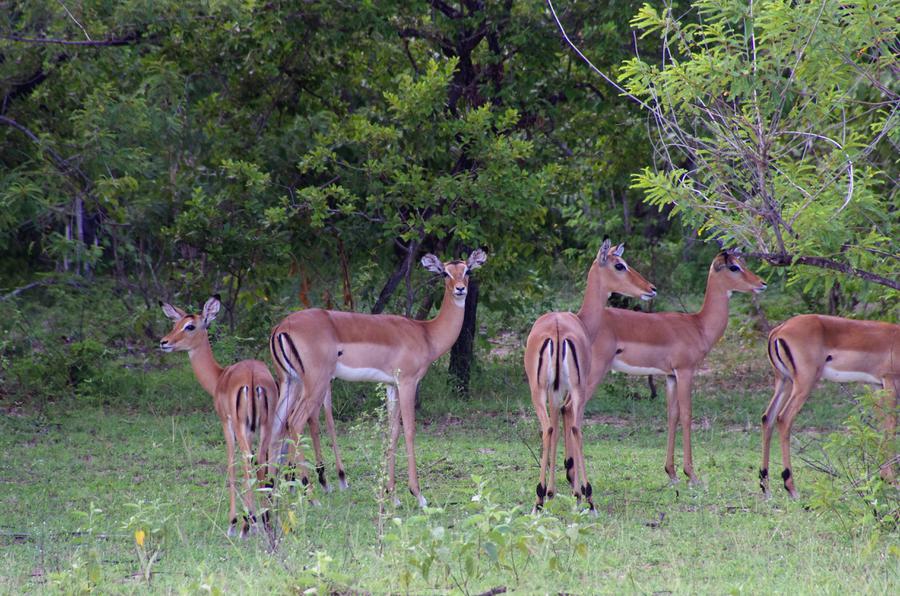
{"points": [[206, 369], [593, 307], [713, 316], [443, 330]]}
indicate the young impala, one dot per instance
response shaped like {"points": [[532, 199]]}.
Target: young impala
{"points": [[807, 348], [312, 347], [672, 344], [557, 363], [243, 395]]}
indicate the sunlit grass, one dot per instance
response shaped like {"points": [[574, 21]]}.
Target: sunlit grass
{"points": [[73, 474]]}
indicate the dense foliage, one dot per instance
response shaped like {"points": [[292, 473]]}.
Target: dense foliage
{"points": [[306, 154]]}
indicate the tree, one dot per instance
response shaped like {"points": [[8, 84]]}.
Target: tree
{"points": [[775, 128]]}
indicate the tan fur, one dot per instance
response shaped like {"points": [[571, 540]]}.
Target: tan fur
{"points": [[323, 344], [673, 344], [553, 392], [807, 348], [242, 416]]}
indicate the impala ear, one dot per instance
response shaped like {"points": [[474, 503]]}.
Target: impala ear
{"points": [[210, 310], [619, 250], [476, 259], [722, 260], [603, 253], [432, 263], [174, 314]]}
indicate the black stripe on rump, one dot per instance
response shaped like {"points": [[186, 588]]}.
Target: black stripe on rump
{"points": [[556, 376], [787, 352], [277, 360], [293, 350], [575, 357], [237, 402], [253, 412], [541, 358]]}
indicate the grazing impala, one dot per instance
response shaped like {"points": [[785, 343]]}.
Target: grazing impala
{"points": [[672, 344], [807, 348], [312, 347], [244, 396], [557, 362]]}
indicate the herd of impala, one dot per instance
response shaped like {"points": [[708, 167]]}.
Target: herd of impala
{"points": [[566, 357]]}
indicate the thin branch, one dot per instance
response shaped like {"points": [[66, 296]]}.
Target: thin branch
{"points": [[74, 20], [591, 64], [122, 41], [786, 260]]}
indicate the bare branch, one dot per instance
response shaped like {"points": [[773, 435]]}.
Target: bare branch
{"points": [[122, 41], [786, 260]]}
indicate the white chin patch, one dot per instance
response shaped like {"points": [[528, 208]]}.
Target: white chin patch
{"points": [[459, 301]]}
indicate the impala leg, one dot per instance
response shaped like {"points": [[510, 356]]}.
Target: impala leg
{"points": [[287, 399], [232, 506], [683, 392], [407, 399], [672, 414], [551, 458], [317, 449], [263, 470], [782, 384], [329, 423], [785, 421], [888, 415], [310, 402], [246, 452], [578, 447], [573, 467], [393, 412], [540, 408]]}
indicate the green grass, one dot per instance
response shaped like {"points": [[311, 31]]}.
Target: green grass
{"points": [[140, 434]]}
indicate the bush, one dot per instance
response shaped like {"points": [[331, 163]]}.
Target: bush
{"points": [[851, 488]]}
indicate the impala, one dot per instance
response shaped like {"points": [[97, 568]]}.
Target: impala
{"points": [[672, 344], [557, 363], [244, 396], [312, 347], [807, 348]]}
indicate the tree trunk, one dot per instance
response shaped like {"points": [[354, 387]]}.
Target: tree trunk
{"points": [[462, 353], [396, 277]]}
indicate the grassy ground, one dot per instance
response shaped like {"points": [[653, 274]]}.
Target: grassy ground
{"points": [[141, 448]]}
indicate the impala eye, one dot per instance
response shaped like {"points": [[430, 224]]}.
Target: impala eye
{"points": [[190, 327], [445, 274], [735, 268], [620, 267], [467, 272]]}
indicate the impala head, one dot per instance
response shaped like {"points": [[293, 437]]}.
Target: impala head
{"points": [[729, 270], [456, 273], [188, 331], [618, 276]]}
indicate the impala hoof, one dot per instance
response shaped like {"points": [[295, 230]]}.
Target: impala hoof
{"points": [[396, 501], [422, 502]]}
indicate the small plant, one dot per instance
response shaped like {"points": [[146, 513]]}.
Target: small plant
{"points": [[148, 527], [283, 510], [83, 576], [489, 539], [851, 487]]}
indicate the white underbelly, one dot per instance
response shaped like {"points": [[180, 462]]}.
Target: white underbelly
{"points": [[374, 375], [848, 376], [619, 366]]}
